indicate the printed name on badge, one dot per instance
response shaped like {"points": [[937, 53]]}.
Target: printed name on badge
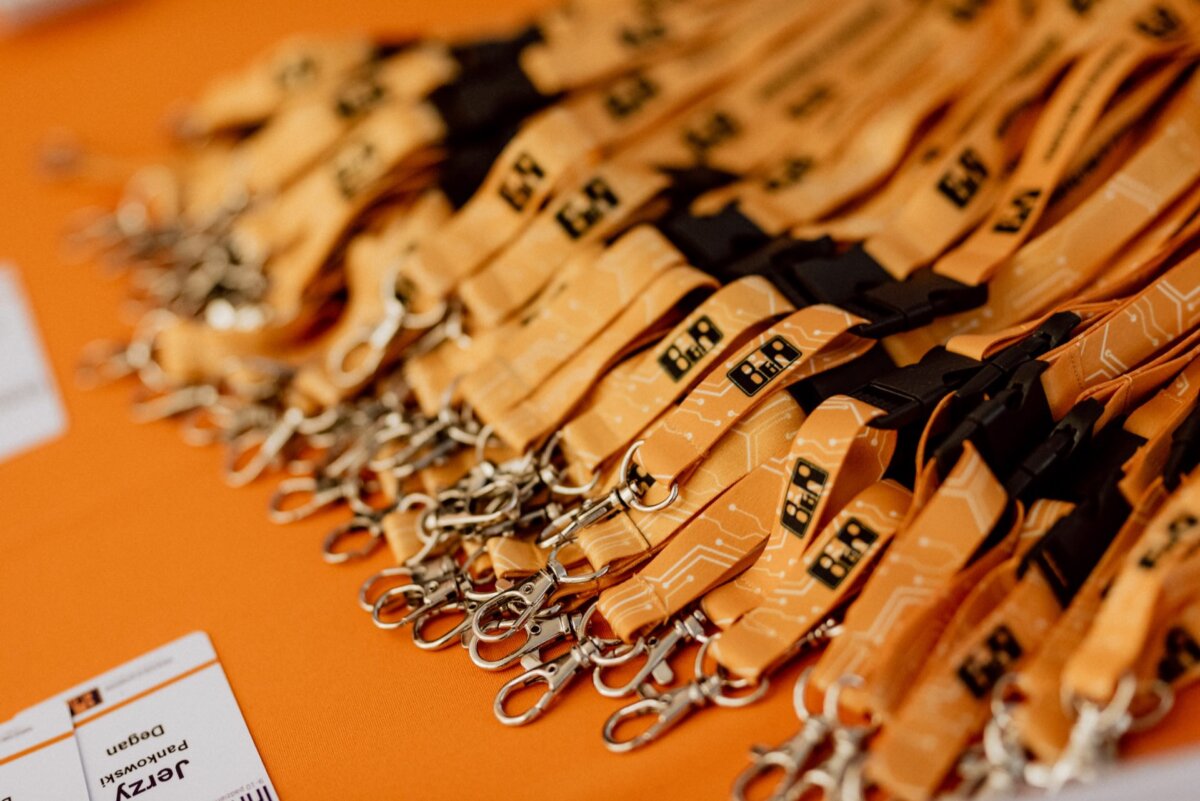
{"points": [[166, 724]]}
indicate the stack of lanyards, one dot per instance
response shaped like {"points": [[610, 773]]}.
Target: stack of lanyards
{"points": [[744, 330]]}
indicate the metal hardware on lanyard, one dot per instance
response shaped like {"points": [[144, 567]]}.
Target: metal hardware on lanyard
{"points": [[531, 596], [670, 708]]}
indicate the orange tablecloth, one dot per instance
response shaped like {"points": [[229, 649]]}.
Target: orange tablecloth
{"points": [[118, 538]]}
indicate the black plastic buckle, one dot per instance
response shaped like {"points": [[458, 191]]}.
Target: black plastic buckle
{"points": [[1070, 550], [897, 306], [467, 164], [481, 99], [843, 379], [689, 183], [714, 242], [1185, 450], [1002, 426], [479, 54], [854, 281], [998, 370], [1056, 449], [909, 394], [836, 280]]}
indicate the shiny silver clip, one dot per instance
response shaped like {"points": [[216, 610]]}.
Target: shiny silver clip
{"points": [[540, 634], [840, 775], [555, 674], [669, 709], [658, 648], [791, 757]]}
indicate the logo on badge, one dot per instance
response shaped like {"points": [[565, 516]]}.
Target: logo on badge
{"points": [[755, 371], [84, 701]]}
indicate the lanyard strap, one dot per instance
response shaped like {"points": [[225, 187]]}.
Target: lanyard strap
{"points": [[860, 144], [1074, 109], [835, 456], [959, 187], [930, 550], [532, 165], [293, 236], [714, 546], [759, 436], [1042, 719], [433, 375], [247, 97], [580, 312], [1153, 319], [726, 129], [635, 105], [594, 209], [594, 41], [637, 391], [828, 574], [1000, 621], [1125, 618], [305, 130], [664, 302], [805, 343], [1062, 260]]}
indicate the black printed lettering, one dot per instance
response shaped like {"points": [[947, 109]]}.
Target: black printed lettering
{"points": [[755, 371], [1159, 22], [1020, 207], [354, 167], [1176, 529], [961, 182], [788, 172], [1182, 653], [803, 494], [842, 553], [598, 199], [994, 657], [523, 178], [297, 72], [690, 347], [628, 96], [358, 96], [717, 127]]}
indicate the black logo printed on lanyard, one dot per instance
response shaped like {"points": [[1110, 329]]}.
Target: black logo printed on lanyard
{"points": [[523, 178], [842, 553], [1182, 654], [755, 371], [992, 659], [690, 347], [803, 494]]}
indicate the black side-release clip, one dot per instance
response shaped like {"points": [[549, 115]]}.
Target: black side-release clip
{"points": [[1043, 463], [1004, 426], [1071, 549], [856, 282], [909, 394], [1185, 450]]}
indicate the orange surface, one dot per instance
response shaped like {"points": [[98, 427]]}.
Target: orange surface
{"points": [[118, 538]]}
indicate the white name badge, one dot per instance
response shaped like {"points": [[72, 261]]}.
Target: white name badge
{"points": [[166, 727], [39, 760]]}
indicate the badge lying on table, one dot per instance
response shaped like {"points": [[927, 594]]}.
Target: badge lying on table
{"points": [[165, 724], [39, 759]]}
